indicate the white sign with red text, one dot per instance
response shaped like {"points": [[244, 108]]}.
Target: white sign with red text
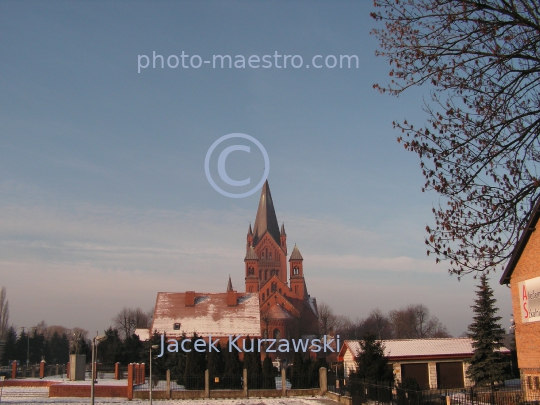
{"points": [[529, 300]]}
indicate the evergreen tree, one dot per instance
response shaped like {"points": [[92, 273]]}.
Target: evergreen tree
{"points": [[487, 364], [109, 350], [216, 367], [372, 364], [10, 349], [132, 351], [297, 377], [268, 374], [195, 367], [233, 368]]}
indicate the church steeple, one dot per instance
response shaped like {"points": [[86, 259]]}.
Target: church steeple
{"points": [[229, 285], [266, 219]]}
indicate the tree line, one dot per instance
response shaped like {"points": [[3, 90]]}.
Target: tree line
{"points": [[413, 321]]}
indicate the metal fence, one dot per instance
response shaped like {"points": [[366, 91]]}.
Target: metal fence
{"points": [[369, 392]]}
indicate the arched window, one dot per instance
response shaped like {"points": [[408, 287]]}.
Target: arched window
{"points": [[274, 287], [263, 297], [266, 274], [270, 256], [277, 334], [296, 271]]}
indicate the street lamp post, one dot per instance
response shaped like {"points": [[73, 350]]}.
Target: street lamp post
{"points": [[94, 348], [150, 379]]}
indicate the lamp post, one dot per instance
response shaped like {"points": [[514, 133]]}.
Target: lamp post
{"points": [[94, 348], [150, 379]]}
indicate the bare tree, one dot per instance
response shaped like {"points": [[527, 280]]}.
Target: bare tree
{"points": [[415, 322], [128, 319], [479, 148], [327, 318], [4, 313]]}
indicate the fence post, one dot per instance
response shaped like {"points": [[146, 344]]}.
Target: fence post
{"points": [[206, 384], [14, 370], [42, 369], [283, 382], [323, 382], [448, 402], [116, 371], [67, 370], [143, 374], [245, 383], [130, 373], [168, 387]]}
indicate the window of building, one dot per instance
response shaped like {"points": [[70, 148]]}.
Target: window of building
{"points": [[263, 297], [176, 326], [270, 256]]}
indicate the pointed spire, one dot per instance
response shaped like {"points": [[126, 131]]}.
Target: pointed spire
{"points": [[266, 219], [251, 255], [296, 255], [229, 284], [283, 229], [250, 232]]}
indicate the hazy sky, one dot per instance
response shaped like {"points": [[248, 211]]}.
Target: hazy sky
{"points": [[104, 199]]}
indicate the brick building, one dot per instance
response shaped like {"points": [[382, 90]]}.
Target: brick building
{"points": [[522, 274], [278, 292]]}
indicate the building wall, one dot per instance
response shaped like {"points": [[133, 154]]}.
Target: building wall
{"points": [[527, 334]]}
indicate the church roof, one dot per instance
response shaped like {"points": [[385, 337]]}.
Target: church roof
{"points": [[278, 312], [266, 219], [210, 315], [229, 284], [251, 255], [296, 255]]}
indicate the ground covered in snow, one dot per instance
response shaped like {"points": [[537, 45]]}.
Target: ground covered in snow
{"points": [[104, 401]]}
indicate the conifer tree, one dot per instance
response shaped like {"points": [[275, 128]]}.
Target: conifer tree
{"points": [[216, 367], [487, 364], [10, 349], [233, 368], [297, 371], [372, 364], [195, 367], [268, 374]]}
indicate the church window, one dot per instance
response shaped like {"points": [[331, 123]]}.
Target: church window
{"points": [[268, 292], [277, 334], [263, 297], [296, 289], [266, 274], [280, 290], [176, 326], [296, 270], [274, 287], [277, 272], [262, 255], [270, 256]]}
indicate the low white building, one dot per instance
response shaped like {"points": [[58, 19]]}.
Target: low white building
{"points": [[434, 363]]}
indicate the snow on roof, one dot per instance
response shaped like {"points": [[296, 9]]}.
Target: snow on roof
{"points": [[211, 315], [143, 334], [400, 348]]}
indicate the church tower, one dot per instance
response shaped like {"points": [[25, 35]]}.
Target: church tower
{"points": [[269, 245]]}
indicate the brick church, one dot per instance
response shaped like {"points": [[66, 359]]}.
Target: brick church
{"points": [[274, 304]]}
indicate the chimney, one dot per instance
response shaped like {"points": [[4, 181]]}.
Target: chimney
{"points": [[231, 298], [190, 298]]}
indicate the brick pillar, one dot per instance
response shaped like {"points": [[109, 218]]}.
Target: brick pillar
{"points": [[14, 369], [42, 369], [323, 381], [130, 373], [206, 384], [143, 373], [95, 370], [245, 383], [136, 375], [117, 371], [283, 382]]}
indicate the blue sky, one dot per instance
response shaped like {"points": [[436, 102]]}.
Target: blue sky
{"points": [[103, 195]]}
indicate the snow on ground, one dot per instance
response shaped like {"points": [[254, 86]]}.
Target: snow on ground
{"points": [[104, 401]]}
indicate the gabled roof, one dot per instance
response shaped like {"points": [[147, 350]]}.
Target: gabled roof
{"points": [[296, 255], [210, 315], [400, 349], [523, 240], [266, 220]]}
